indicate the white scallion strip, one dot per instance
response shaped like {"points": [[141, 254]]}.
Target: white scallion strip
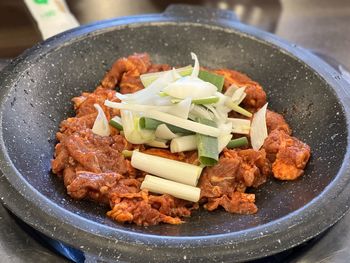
{"points": [[230, 90], [149, 78], [223, 141], [180, 109], [225, 128], [178, 190], [195, 71], [146, 96], [158, 143], [170, 169], [220, 116], [132, 131], [258, 129], [201, 112], [183, 123], [101, 126], [189, 87], [240, 126], [183, 144], [189, 143], [239, 95], [163, 132], [134, 107]]}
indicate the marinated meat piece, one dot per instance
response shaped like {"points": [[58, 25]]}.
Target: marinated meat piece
{"points": [[236, 170], [163, 153], [74, 124], [289, 155], [220, 179], [188, 157], [256, 96], [95, 152], [127, 69], [84, 104], [275, 120], [158, 67], [61, 158], [69, 175], [143, 209], [93, 186], [257, 166], [235, 202]]}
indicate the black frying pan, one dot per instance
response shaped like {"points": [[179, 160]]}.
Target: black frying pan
{"points": [[35, 96]]}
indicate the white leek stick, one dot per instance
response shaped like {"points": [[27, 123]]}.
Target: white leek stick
{"points": [[189, 143], [162, 186], [158, 143], [183, 144], [170, 169]]}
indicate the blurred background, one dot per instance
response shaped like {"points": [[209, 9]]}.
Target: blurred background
{"points": [[320, 25]]}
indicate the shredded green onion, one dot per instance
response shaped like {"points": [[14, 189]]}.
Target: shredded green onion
{"points": [[200, 101], [127, 153], [152, 124], [213, 78], [116, 122], [207, 146], [233, 106], [235, 143], [162, 94]]}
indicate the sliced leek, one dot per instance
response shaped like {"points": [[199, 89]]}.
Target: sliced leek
{"points": [[258, 130], [101, 126], [158, 143], [183, 144], [239, 142], [148, 78], [200, 101], [212, 78], [162, 186], [170, 169], [116, 122], [163, 132], [241, 126], [207, 146], [152, 124], [233, 106]]}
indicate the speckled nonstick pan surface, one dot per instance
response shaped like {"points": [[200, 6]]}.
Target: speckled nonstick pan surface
{"points": [[35, 96]]}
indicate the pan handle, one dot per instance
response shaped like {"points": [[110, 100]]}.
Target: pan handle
{"points": [[198, 13]]}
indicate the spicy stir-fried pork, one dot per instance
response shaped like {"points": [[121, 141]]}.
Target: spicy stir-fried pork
{"points": [[94, 168]]}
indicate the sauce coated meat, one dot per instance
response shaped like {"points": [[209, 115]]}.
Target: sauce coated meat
{"points": [[93, 167]]}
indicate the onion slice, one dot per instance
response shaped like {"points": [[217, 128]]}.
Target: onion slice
{"points": [[195, 71], [101, 126], [163, 132], [258, 129]]}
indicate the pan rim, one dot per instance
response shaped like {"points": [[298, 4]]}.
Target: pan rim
{"points": [[268, 230]]}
